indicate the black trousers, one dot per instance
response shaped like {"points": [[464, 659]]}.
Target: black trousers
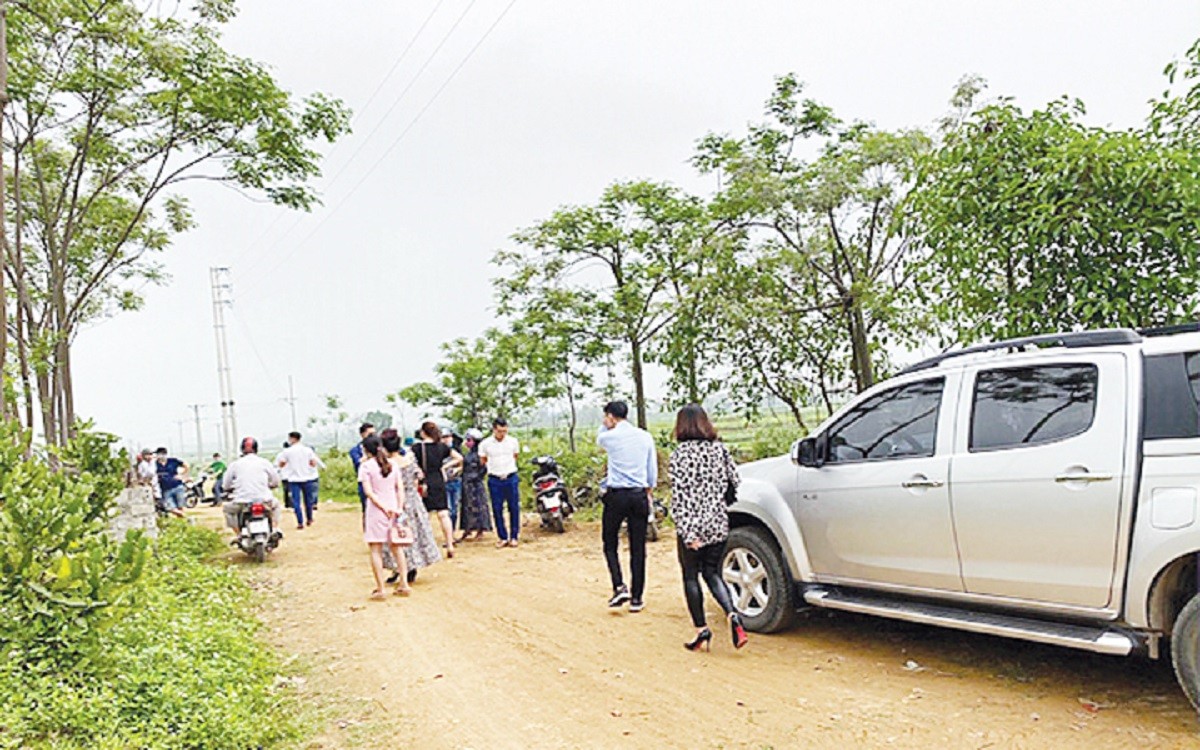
{"points": [[632, 505], [703, 563]]}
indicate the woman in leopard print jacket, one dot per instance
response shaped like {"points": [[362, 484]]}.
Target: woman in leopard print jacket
{"points": [[702, 471]]}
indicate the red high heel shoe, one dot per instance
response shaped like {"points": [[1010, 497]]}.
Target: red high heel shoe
{"points": [[737, 630]]}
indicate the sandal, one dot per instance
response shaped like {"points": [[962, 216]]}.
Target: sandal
{"points": [[402, 591], [502, 543], [513, 543], [377, 596]]}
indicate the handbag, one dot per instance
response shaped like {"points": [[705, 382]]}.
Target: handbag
{"points": [[400, 534], [730, 492], [422, 487]]}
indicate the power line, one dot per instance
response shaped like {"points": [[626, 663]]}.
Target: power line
{"points": [[382, 120], [382, 82], [397, 140]]}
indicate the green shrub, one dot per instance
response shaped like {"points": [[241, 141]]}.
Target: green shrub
{"points": [[62, 578], [338, 477], [183, 669], [112, 645]]}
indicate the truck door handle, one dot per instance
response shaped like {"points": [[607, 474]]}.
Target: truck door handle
{"points": [[1083, 477], [921, 482]]}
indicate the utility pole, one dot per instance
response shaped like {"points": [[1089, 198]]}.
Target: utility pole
{"points": [[199, 435], [222, 298], [291, 401]]}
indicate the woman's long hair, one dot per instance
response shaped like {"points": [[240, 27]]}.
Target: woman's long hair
{"points": [[692, 423], [431, 431], [373, 447]]}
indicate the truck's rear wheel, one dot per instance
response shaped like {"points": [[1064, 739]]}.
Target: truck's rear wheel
{"points": [[1185, 650], [758, 580]]}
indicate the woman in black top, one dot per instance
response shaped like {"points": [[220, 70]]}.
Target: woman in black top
{"points": [[432, 455]]}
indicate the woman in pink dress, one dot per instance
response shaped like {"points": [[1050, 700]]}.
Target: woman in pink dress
{"points": [[380, 479]]}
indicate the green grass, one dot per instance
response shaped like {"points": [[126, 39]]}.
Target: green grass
{"points": [[183, 668]]}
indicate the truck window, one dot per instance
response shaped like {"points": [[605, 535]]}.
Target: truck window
{"points": [[897, 423], [1023, 406], [1171, 395]]}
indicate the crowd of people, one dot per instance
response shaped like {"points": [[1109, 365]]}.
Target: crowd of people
{"points": [[409, 488]]}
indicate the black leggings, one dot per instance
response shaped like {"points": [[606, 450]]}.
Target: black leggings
{"points": [[704, 562]]}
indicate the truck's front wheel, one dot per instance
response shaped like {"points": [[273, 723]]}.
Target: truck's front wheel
{"points": [[758, 580], [1185, 650]]}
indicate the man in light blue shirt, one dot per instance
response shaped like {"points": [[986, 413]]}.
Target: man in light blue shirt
{"points": [[632, 475]]}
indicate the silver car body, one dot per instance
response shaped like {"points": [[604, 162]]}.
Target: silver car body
{"points": [[1077, 529]]}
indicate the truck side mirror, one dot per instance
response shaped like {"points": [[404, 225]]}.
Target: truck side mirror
{"points": [[804, 453]]}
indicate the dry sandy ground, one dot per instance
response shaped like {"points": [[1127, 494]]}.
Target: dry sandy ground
{"points": [[516, 649]]}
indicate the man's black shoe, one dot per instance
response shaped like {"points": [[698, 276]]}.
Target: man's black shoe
{"points": [[636, 605], [619, 597]]}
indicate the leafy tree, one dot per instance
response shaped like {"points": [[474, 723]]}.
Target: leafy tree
{"points": [[619, 253], [381, 419], [479, 379], [827, 221], [774, 347], [1038, 223], [564, 331], [115, 105], [334, 418]]}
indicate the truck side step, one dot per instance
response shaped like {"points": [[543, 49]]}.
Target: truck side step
{"points": [[1100, 640]]}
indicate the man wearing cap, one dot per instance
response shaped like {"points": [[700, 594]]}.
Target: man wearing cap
{"points": [[147, 475], [250, 479]]}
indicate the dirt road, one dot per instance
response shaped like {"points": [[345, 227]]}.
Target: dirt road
{"points": [[515, 649]]}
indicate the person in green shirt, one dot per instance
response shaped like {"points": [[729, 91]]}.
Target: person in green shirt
{"points": [[217, 469]]}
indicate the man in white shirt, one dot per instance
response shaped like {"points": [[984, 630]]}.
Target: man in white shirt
{"points": [[299, 466], [250, 479], [498, 454], [147, 473]]}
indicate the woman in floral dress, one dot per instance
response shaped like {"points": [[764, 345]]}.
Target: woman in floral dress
{"points": [[424, 550], [476, 517]]}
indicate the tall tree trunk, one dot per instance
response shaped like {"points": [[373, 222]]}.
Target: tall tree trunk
{"points": [[574, 419], [23, 305], [797, 414], [46, 403], [6, 409], [68, 389], [860, 352], [639, 385]]}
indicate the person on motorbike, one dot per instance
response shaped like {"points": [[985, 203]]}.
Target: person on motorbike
{"points": [[250, 479]]}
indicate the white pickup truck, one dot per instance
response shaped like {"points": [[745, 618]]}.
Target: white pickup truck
{"points": [[1045, 488]]}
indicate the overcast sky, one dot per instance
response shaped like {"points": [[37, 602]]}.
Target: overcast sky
{"points": [[560, 99]]}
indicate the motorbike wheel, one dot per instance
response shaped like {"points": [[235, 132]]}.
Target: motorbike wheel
{"points": [[192, 500], [556, 525], [260, 551]]}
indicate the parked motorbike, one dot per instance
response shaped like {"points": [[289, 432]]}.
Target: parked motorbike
{"points": [[258, 535], [550, 494], [195, 491]]}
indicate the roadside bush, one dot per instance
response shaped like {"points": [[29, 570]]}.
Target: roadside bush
{"points": [[63, 580], [182, 669], [112, 645], [338, 478]]}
